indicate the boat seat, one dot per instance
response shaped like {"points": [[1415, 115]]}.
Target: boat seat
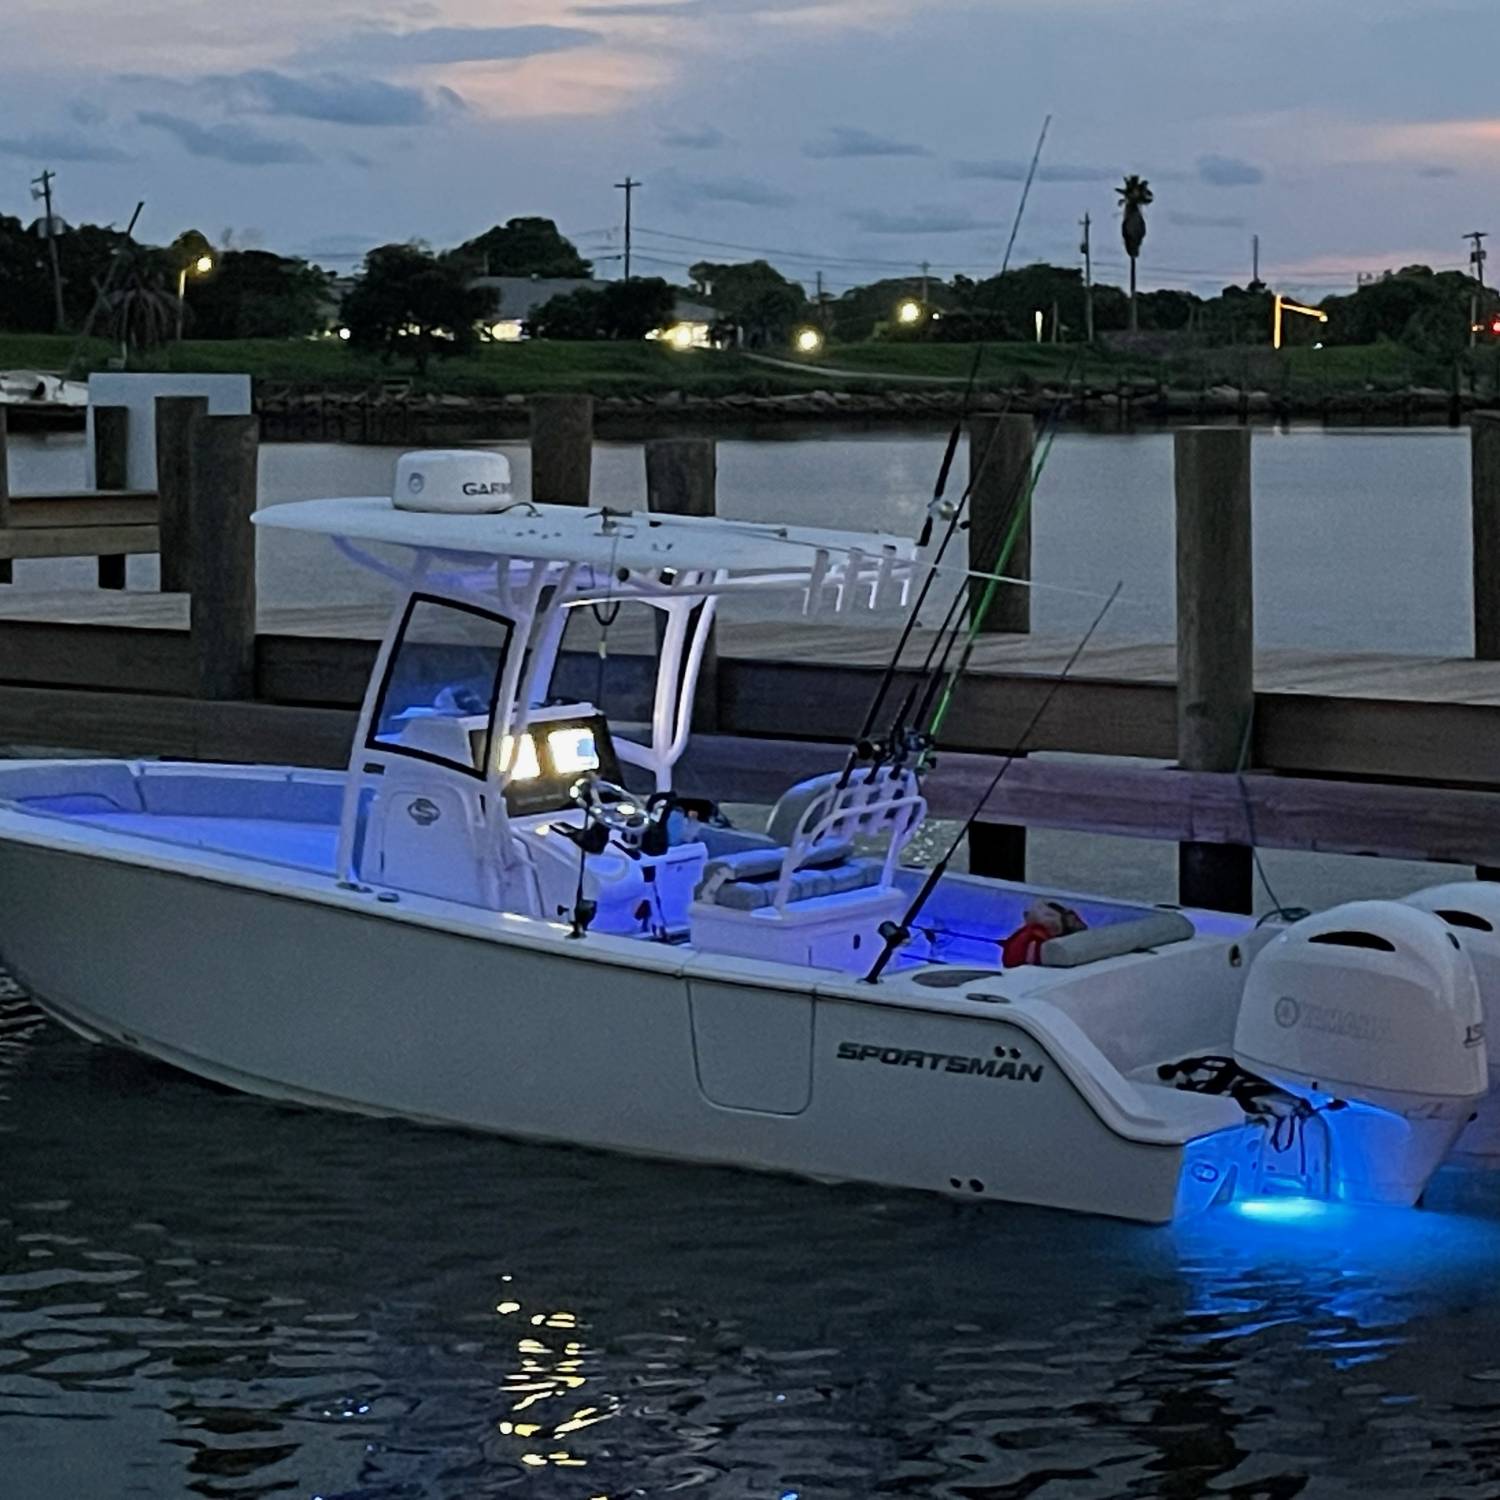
{"points": [[747, 881]]}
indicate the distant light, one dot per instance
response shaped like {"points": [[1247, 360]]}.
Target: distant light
{"points": [[204, 264], [1287, 1210], [808, 341], [345, 334], [681, 336], [909, 311], [1495, 325], [1318, 345]]}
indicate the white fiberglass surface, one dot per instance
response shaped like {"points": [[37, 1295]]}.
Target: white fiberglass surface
{"points": [[303, 846]]}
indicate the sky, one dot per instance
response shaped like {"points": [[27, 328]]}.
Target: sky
{"points": [[853, 137]]}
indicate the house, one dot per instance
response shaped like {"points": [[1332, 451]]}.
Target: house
{"points": [[516, 298]]}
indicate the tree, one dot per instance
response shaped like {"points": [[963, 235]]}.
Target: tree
{"points": [[1135, 196], [253, 294], [755, 296], [25, 303], [620, 310], [523, 247], [408, 301], [141, 311]]}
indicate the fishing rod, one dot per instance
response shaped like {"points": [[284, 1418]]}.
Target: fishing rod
{"points": [[1017, 508], [896, 934], [860, 746]]}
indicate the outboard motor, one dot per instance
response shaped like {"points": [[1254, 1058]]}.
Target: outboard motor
{"points": [[1471, 908], [1370, 1013]]}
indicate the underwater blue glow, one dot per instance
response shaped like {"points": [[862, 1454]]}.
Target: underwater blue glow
{"points": [[1289, 1210]]}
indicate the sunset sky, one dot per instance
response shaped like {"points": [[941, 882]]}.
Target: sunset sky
{"points": [[859, 137]]}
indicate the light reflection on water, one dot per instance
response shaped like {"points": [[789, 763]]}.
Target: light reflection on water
{"points": [[204, 1294]]}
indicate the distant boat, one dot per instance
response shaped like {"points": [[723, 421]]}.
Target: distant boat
{"points": [[35, 400]]}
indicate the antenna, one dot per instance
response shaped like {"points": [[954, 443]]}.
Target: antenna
{"points": [[1015, 228]]}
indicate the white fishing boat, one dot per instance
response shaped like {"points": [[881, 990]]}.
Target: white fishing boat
{"points": [[33, 388], [476, 924]]}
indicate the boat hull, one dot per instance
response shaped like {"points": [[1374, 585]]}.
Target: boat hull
{"points": [[375, 1010]]}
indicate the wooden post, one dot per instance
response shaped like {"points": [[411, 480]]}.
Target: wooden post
{"points": [[1484, 445], [7, 568], [1215, 643], [1001, 452], [222, 462], [682, 480], [111, 472], [562, 449], [174, 419]]}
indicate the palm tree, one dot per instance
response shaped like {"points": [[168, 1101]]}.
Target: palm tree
{"points": [[1134, 196]]}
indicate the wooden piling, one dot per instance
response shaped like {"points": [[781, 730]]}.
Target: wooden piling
{"points": [[112, 472], [682, 480], [562, 449], [174, 419], [222, 473], [1215, 642], [1001, 453], [1484, 444], [7, 568]]}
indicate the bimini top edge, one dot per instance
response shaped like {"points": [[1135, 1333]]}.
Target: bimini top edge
{"points": [[603, 538]]}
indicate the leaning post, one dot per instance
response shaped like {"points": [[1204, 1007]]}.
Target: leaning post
{"points": [[1215, 643], [223, 455], [682, 480], [1001, 455], [112, 472], [562, 449], [174, 419]]}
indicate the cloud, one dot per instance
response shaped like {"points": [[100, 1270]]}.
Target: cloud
{"points": [[1015, 171], [1228, 171], [86, 112], [704, 138], [746, 190], [845, 141], [1205, 221], [335, 98], [238, 144], [1433, 169], [924, 219], [47, 145], [435, 46]]}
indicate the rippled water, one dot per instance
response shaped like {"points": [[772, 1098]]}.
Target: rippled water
{"points": [[204, 1294]]}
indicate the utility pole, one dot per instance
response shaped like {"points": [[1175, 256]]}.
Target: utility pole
{"points": [[1254, 262], [41, 187], [926, 267], [822, 305], [1477, 257], [1086, 250], [627, 187]]}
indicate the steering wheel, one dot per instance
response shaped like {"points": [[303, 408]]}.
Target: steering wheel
{"points": [[612, 807]]}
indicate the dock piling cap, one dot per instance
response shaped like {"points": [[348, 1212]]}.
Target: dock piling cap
{"points": [[464, 482]]}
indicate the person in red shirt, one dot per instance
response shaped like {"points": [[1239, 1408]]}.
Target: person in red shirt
{"points": [[1045, 920]]}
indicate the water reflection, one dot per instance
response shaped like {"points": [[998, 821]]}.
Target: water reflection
{"points": [[201, 1294]]}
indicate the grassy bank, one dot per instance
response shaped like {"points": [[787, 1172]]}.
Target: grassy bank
{"points": [[646, 369]]}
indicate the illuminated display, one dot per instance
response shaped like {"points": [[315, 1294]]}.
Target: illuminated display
{"points": [[526, 767], [572, 750]]}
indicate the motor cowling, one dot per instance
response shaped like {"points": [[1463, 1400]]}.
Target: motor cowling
{"points": [[1374, 1001], [1471, 908]]}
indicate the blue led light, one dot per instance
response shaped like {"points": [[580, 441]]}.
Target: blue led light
{"points": [[1289, 1210]]}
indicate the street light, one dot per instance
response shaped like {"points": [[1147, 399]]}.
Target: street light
{"points": [[1286, 305], [200, 267], [808, 341], [909, 311]]}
